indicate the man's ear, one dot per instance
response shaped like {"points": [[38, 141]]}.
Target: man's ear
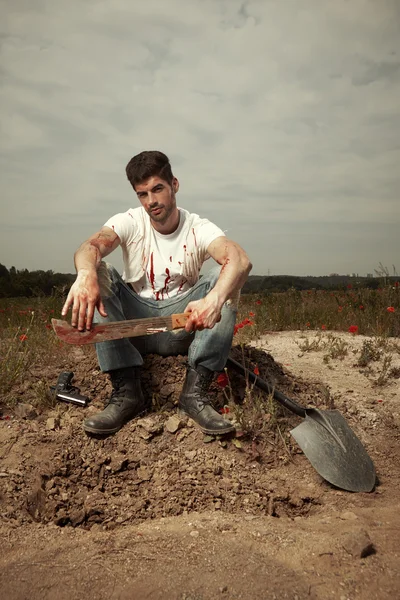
{"points": [[175, 185]]}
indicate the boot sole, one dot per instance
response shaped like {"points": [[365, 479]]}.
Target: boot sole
{"points": [[101, 431], [115, 429], [230, 429]]}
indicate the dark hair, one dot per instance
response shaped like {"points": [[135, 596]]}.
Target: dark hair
{"points": [[149, 163]]}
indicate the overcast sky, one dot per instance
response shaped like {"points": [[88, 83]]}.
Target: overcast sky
{"points": [[281, 119]]}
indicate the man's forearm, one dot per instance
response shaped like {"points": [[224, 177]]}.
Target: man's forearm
{"points": [[234, 273], [87, 257]]}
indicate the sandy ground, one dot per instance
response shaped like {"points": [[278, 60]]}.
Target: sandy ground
{"points": [[151, 514]]}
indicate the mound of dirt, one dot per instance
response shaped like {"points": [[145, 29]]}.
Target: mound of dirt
{"points": [[157, 465], [225, 506]]}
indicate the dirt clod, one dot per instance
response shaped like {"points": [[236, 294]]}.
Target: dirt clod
{"points": [[358, 544], [174, 423]]}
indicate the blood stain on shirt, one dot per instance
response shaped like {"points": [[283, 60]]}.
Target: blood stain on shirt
{"points": [[152, 276], [166, 282], [182, 284]]}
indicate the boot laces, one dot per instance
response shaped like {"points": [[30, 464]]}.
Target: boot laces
{"points": [[117, 394], [202, 384]]}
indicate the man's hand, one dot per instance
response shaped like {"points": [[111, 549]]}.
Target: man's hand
{"points": [[204, 313], [84, 297]]}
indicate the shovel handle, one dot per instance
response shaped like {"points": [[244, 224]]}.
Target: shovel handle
{"points": [[291, 405]]}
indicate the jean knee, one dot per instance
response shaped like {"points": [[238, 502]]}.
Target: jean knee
{"points": [[107, 275]]}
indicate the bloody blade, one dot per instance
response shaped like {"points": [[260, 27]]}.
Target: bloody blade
{"points": [[102, 332]]}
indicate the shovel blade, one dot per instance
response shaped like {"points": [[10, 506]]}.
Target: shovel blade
{"points": [[335, 451]]}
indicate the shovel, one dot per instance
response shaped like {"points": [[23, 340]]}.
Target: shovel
{"points": [[326, 439]]}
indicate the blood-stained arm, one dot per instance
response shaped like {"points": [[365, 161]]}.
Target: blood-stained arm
{"points": [[84, 295], [235, 269]]}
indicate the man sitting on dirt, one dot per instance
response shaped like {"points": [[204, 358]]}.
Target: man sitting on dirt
{"points": [[164, 248]]}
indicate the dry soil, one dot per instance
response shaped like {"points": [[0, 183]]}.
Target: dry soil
{"points": [[156, 512]]}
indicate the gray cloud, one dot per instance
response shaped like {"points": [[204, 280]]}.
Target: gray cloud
{"points": [[377, 71], [281, 121]]}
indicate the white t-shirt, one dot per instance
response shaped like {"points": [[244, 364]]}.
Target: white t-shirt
{"points": [[164, 257]]}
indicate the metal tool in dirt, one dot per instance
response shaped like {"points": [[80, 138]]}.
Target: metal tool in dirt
{"points": [[115, 330], [66, 392], [326, 439]]}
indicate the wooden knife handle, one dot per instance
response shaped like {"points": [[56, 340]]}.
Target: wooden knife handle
{"points": [[179, 320]]}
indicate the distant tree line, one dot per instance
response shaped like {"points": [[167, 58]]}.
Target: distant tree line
{"points": [[281, 283], [15, 283]]}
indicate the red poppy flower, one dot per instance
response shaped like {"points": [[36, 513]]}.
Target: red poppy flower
{"points": [[361, 307], [323, 327], [258, 302], [222, 380], [391, 309], [307, 324], [353, 329], [23, 337], [340, 308], [251, 314], [256, 371], [396, 284], [48, 326], [349, 286]]}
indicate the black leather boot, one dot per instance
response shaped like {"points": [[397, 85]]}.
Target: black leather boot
{"points": [[126, 402], [195, 404]]}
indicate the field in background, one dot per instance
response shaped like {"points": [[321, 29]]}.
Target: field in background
{"points": [[363, 311], [27, 340]]}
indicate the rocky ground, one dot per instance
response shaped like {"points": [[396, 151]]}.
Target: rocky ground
{"points": [[160, 511]]}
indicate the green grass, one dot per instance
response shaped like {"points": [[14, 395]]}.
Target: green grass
{"points": [[27, 341], [365, 309]]}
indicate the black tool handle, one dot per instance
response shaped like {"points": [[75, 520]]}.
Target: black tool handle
{"points": [[64, 391], [64, 381], [263, 385]]}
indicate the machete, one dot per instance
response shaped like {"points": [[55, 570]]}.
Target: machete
{"points": [[102, 332]]}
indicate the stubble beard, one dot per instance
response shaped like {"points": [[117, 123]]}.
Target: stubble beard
{"points": [[164, 215]]}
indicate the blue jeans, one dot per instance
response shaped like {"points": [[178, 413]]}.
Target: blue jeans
{"points": [[208, 348]]}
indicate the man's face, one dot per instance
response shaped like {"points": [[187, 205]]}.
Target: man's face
{"points": [[157, 197]]}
